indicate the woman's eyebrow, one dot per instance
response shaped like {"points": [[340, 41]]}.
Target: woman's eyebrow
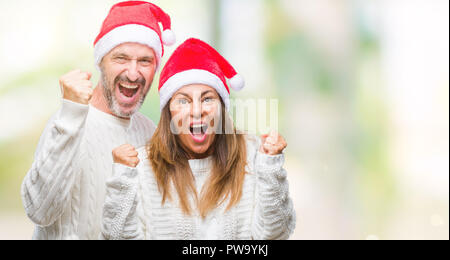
{"points": [[206, 92], [184, 94]]}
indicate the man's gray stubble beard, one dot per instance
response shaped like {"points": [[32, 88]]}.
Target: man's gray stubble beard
{"points": [[113, 104]]}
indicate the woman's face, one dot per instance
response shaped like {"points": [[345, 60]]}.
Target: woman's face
{"points": [[195, 111]]}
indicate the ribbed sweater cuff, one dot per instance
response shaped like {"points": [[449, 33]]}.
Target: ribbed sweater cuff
{"points": [[269, 163], [123, 171], [71, 115]]}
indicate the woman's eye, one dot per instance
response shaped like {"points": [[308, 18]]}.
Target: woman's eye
{"points": [[182, 101], [207, 100]]}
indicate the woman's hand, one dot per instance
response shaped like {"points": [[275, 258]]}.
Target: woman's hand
{"points": [[272, 144], [126, 154]]}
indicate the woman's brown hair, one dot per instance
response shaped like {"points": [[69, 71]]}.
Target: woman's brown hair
{"points": [[170, 165]]}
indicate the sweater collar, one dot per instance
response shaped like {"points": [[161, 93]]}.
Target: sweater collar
{"points": [[110, 118], [201, 165]]}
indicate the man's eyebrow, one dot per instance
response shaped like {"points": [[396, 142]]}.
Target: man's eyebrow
{"points": [[147, 58], [119, 54]]}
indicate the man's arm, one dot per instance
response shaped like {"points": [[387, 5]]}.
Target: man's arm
{"points": [[47, 185]]}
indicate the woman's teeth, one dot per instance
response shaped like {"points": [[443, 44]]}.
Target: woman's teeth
{"points": [[198, 129], [198, 132]]}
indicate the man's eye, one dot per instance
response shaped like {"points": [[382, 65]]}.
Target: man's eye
{"points": [[145, 62], [120, 59]]}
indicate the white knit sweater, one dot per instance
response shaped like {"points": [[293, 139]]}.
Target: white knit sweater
{"points": [[63, 192], [133, 207]]}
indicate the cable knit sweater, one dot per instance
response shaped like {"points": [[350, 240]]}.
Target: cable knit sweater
{"points": [[133, 208], [63, 192]]}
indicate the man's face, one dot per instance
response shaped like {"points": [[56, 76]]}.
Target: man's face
{"points": [[127, 74]]}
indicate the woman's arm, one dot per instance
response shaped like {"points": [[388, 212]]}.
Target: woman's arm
{"points": [[120, 220], [274, 216]]}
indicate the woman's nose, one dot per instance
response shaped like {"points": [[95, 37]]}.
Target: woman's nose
{"points": [[197, 109]]}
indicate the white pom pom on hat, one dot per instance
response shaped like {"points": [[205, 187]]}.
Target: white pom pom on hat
{"points": [[168, 37], [237, 82]]}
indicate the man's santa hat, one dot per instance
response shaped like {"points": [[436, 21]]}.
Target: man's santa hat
{"points": [[134, 21], [196, 62]]}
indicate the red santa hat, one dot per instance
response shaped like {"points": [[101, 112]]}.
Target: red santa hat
{"points": [[134, 21], [196, 62]]}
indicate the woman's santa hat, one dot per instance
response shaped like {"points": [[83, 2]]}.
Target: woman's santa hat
{"points": [[134, 21], [196, 62]]}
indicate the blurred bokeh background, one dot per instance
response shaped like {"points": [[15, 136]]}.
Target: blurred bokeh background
{"points": [[362, 89]]}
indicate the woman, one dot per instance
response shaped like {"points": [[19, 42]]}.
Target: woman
{"points": [[199, 178]]}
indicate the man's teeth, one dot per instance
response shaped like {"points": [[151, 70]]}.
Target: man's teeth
{"points": [[129, 86]]}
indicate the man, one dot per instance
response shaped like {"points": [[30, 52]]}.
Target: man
{"points": [[63, 192]]}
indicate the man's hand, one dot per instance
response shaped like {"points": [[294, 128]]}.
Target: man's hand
{"points": [[76, 86], [272, 144], [126, 154]]}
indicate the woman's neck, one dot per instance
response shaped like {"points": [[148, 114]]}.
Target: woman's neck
{"points": [[196, 156]]}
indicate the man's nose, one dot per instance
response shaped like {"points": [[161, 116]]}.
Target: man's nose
{"points": [[133, 72]]}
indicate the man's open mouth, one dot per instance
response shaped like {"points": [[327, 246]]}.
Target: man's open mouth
{"points": [[128, 90]]}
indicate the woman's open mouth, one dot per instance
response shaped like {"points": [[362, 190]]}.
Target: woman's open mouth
{"points": [[198, 132]]}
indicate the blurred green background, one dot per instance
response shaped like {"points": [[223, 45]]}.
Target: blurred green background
{"points": [[362, 89]]}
